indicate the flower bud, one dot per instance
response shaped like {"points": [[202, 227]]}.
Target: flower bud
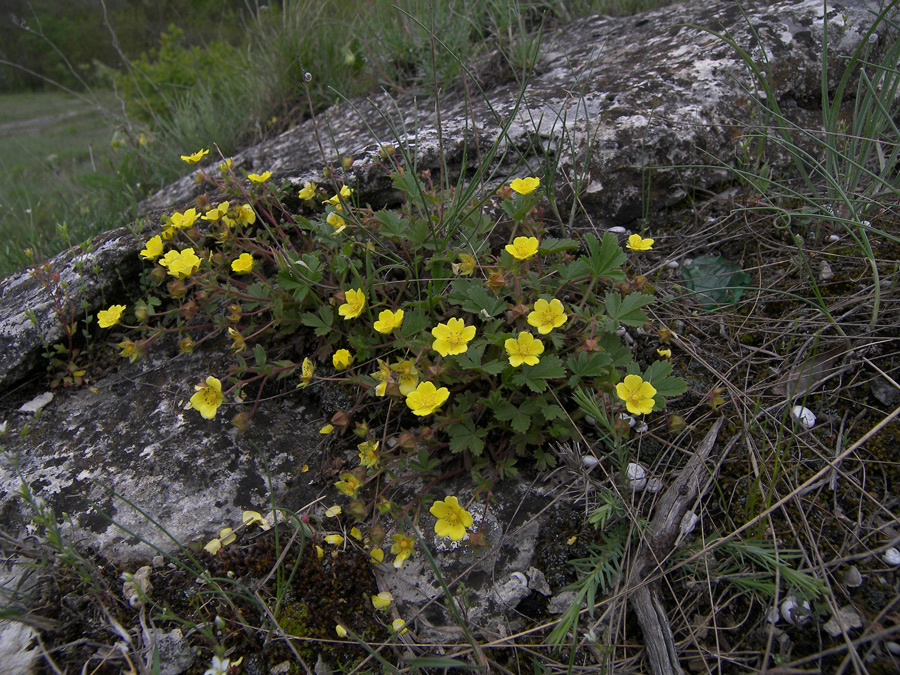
{"points": [[177, 289], [186, 345], [158, 275], [241, 421]]}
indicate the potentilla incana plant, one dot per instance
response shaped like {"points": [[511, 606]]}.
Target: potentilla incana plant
{"points": [[457, 338]]}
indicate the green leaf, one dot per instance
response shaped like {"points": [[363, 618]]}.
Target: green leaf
{"points": [[322, 321], [414, 323], [627, 310], [518, 419], [666, 387], [606, 259], [552, 245], [464, 436], [535, 377], [715, 280], [391, 225], [577, 269], [259, 354], [473, 297], [584, 364]]}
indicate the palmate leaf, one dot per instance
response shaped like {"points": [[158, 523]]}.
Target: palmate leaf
{"points": [[627, 310], [605, 259], [535, 377], [473, 297], [658, 374]]}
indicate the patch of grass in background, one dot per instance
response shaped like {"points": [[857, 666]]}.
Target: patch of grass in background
{"points": [[63, 176], [55, 169]]}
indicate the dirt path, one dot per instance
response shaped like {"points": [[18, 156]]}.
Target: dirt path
{"points": [[35, 125]]}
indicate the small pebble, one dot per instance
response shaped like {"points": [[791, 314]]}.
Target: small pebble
{"points": [[689, 522], [833, 238], [891, 556], [672, 264], [636, 476], [805, 416], [825, 272], [617, 230], [793, 611], [893, 647], [629, 418], [589, 462], [852, 577]]}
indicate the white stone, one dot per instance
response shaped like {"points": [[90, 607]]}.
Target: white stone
{"points": [[617, 230], [847, 617], [672, 264], [589, 461], [37, 403], [793, 611], [15, 657], [804, 416], [636, 476], [688, 522], [891, 556]]}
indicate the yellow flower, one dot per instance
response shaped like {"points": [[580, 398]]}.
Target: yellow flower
{"points": [[306, 373], [398, 626], [243, 264], [251, 517], [208, 398], [388, 321], [181, 264], [465, 266], [196, 157], [259, 177], [637, 394], [342, 359], [547, 315], [327, 429], [638, 243], [340, 630], [383, 375], [402, 548], [426, 398], [525, 349], [345, 193], [452, 337], [308, 191], [665, 353], [334, 539], [349, 485], [225, 166], [525, 186], [216, 212], [383, 600], [356, 303], [130, 350], [153, 248], [333, 511], [182, 221], [523, 248], [238, 344], [246, 215], [409, 376], [355, 533], [213, 546], [376, 556], [320, 552], [452, 519], [227, 536], [368, 454], [336, 222], [107, 318]]}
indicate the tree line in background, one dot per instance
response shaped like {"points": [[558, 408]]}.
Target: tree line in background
{"points": [[31, 32]]}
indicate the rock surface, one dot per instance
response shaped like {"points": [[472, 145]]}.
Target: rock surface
{"points": [[632, 114]]}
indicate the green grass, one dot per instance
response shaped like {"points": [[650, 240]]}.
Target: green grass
{"points": [[55, 169]]}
